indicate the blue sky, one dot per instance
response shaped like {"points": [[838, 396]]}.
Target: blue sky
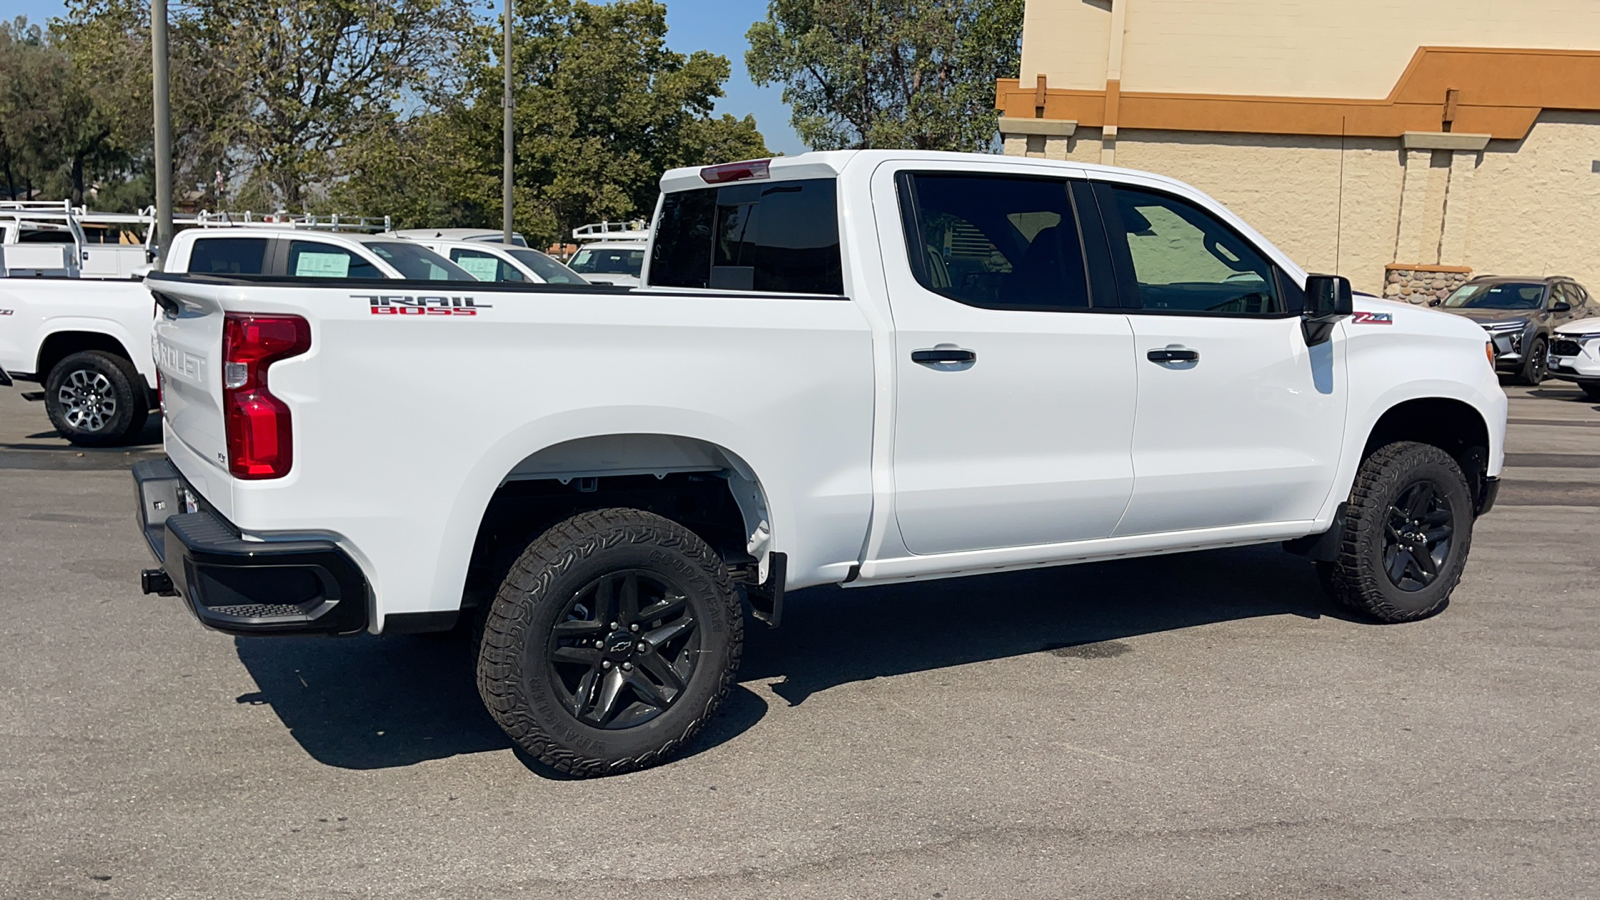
{"points": [[715, 25]]}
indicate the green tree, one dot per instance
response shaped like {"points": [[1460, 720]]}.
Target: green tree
{"points": [[603, 107], [889, 73], [317, 76]]}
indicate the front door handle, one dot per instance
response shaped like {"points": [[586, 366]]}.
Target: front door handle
{"points": [[1173, 354], [943, 355]]}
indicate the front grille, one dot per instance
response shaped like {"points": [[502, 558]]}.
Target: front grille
{"points": [[1565, 348]]}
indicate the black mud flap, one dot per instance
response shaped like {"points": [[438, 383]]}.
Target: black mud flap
{"points": [[1322, 547], [766, 598]]}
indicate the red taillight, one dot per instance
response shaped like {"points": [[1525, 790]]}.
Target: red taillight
{"points": [[739, 171], [260, 436]]}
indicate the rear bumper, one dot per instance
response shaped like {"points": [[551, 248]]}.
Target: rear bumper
{"points": [[238, 586]]}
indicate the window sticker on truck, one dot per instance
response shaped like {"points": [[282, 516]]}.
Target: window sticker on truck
{"points": [[1369, 318], [408, 305]]}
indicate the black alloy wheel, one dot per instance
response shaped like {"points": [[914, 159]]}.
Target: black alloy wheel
{"points": [[1417, 539], [624, 649], [613, 638], [1407, 531]]}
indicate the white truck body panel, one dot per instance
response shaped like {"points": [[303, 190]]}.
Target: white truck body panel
{"points": [[866, 463], [34, 309]]}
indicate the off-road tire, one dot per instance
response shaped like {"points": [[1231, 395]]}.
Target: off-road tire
{"points": [[516, 675], [1357, 578], [123, 383], [1536, 365]]}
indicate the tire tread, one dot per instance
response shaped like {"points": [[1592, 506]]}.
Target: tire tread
{"points": [[528, 583]]}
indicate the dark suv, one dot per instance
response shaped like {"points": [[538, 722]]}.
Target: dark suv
{"points": [[1520, 314]]}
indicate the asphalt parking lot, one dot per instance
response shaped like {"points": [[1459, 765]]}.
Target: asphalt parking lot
{"points": [[1201, 726]]}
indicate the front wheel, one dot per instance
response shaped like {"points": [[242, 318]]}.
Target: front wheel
{"points": [[612, 640], [95, 399], [1536, 365], [1407, 531], [1592, 391]]}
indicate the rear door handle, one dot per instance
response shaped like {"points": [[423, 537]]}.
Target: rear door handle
{"points": [[1173, 354], [943, 355]]}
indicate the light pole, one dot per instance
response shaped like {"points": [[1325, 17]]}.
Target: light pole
{"points": [[163, 113], [505, 199]]}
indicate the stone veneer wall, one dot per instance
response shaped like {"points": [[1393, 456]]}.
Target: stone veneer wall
{"points": [[1420, 284]]}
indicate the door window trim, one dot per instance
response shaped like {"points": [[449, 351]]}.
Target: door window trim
{"points": [[1289, 294]]}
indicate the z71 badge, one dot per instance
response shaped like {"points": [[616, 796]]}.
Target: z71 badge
{"points": [[409, 305], [1366, 318]]}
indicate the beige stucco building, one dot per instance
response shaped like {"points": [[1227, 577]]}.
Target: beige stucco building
{"points": [[1402, 143]]}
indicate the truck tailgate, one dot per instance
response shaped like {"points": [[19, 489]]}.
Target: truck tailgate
{"points": [[188, 350]]}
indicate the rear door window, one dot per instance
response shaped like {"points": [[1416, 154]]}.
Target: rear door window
{"points": [[995, 241], [769, 236], [485, 266], [314, 259], [228, 255]]}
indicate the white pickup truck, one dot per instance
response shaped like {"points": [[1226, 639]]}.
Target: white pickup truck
{"points": [[87, 342], [855, 368]]}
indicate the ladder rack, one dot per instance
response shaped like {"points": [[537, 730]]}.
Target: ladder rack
{"points": [[637, 230]]}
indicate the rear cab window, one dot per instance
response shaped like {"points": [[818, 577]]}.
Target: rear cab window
{"points": [[764, 236], [228, 255]]}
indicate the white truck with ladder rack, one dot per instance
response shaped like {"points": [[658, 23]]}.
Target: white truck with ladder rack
{"points": [[87, 342], [610, 252]]}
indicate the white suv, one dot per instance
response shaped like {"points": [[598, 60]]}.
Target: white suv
{"points": [[1575, 355]]}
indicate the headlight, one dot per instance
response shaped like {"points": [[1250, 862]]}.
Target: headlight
{"points": [[1513, 325]]}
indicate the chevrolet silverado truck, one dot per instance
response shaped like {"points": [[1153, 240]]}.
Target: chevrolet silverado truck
{"points": [[856, 368]]}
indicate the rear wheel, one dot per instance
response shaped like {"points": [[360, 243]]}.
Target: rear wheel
{"points": [[1407, 531], [612, 640], [95, 398], [1536, 364]]}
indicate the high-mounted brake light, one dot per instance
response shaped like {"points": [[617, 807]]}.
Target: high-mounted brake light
{"points": [[739, 171], [260, 434]]}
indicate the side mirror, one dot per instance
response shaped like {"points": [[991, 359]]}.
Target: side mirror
{"points": [[1435, 302], [1328, 295], [1561, 306], [1327, 301]]}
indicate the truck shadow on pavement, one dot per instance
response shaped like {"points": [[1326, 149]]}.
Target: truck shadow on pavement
{"points": [[367, 703]]}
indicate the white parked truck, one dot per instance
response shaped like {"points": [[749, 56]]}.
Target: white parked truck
{"points": [[87, 342], [851, 368]]}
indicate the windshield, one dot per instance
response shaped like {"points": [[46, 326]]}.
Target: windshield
{"points": [[543, 266], [608, 261], [419, 263], [1505, 295]]}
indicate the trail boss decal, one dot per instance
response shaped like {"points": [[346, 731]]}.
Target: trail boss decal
{"points": [[409, 305], [1366, 318]]}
